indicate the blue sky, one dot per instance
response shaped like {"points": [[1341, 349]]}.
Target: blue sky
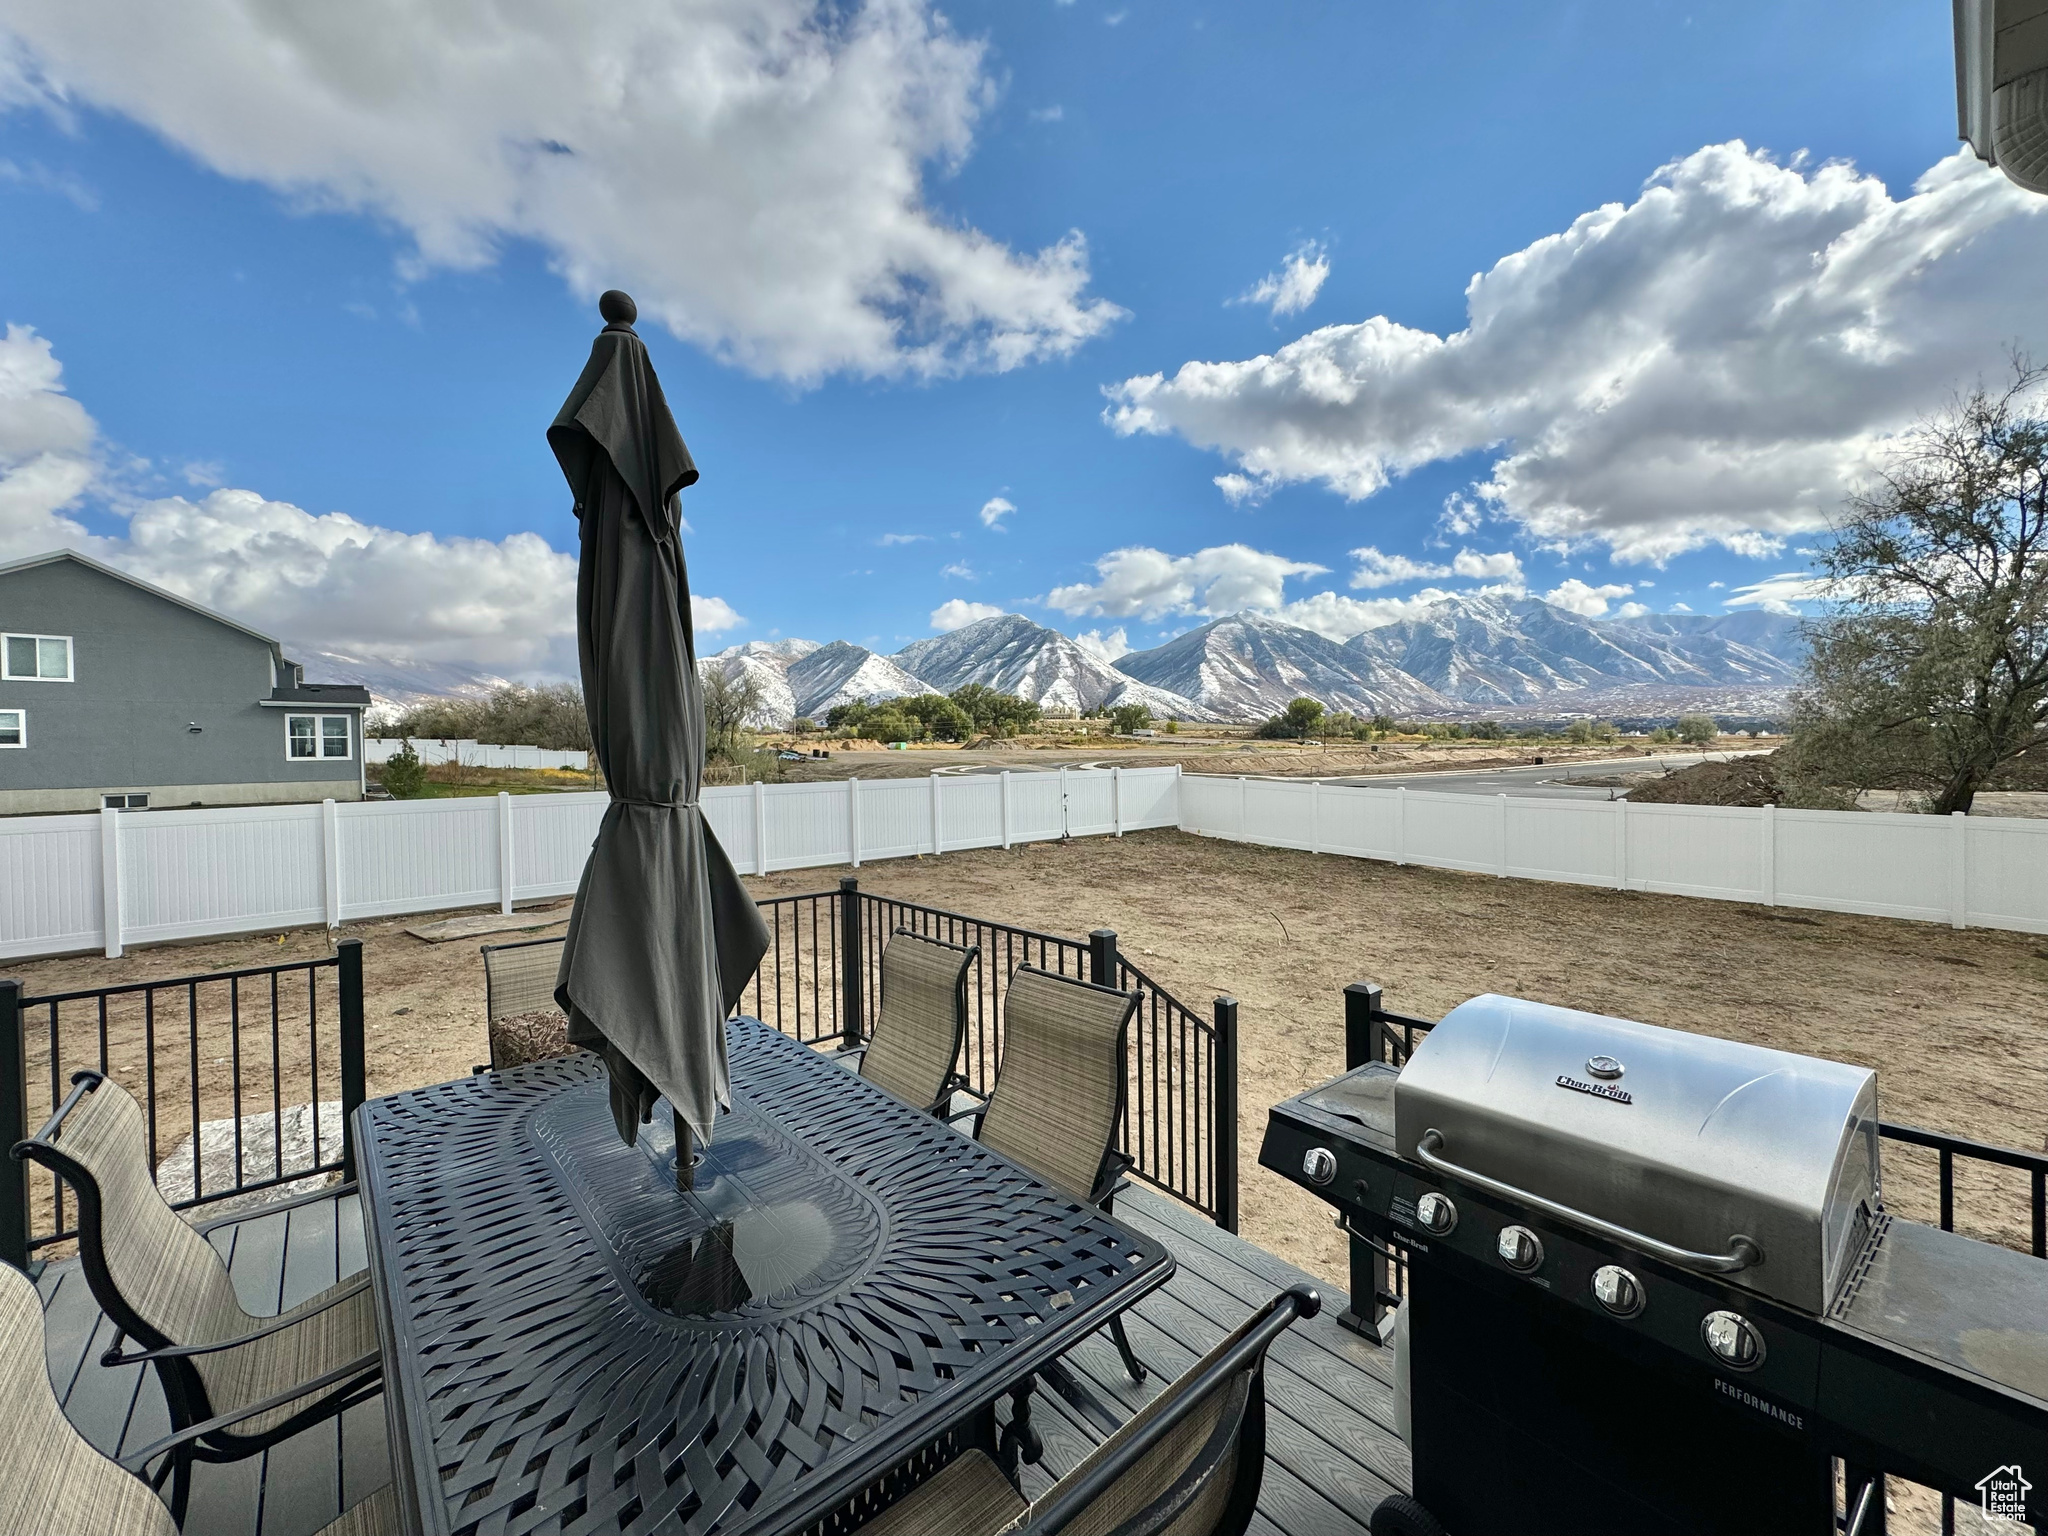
{"points": [[260, 271]]}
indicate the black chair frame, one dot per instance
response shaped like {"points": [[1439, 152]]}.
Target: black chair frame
{"points": [[198, 1432]]}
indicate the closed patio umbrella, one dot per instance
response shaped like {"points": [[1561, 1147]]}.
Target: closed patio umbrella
{"points": [[663, 937]]}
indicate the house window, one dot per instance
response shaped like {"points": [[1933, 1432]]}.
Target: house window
{"points": [[316, 736], [13, 727], [35, 658], [125, 802]]}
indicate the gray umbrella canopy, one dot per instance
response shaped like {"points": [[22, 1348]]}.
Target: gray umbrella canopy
{"points": [[663, 937]]}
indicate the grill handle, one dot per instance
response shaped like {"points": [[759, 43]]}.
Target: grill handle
{"points": [[1743, 1253]]}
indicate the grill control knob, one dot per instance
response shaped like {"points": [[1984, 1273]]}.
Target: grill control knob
{"points": [[1734, 1339], [1520, 1248], [1436, 1213], [1319, 1165], [1617, 1290]]}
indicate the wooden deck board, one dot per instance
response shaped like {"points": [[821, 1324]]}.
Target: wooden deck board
{"points": [[1331, 1453]]}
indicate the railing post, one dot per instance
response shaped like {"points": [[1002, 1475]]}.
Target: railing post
{"points": [[14, 1205], [1371, 1274], [1102, 957], [851, 971], [1223, 1131], [354, 1078]]}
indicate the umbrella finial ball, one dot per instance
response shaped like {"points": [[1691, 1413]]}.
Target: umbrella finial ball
{"points": [[617, 308]]}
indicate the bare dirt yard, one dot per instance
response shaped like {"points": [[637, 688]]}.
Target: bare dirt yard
{"points": [[1955, 1023]]}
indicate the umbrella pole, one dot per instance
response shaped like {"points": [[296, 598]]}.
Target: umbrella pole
{"points": [[686, 1157]]}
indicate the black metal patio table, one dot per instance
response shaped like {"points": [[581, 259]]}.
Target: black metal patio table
{"points": [[571, 1345]]}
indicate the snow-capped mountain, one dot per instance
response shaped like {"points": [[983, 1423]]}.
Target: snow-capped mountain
{"points": [[1495, 651], [766, 664], [394, 685], [840, 673], [1011, 654], [1778, 635], [1247, 666]]}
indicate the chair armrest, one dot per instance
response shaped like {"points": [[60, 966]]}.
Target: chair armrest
{"points": [[274, 1325], [848, 1056], [139, 1460], [326, 1192], [976, 1112], [1111, 1179]]}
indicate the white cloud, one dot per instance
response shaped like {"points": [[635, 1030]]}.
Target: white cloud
{"points": [[1713, 586], [1504, 566], [48, 449], [713, 615], [328, 581], [753, 171], [959, 569], [1588, 602], [1295, 286], [1718, 361], [1051, 114], [994, 510], [888, 539], [1681, 608], [1632, 610], [1778, 594], [1339, 618], [1148, 583], [958, 613], [1380, 570], [1105, 647], [1461, 515]]}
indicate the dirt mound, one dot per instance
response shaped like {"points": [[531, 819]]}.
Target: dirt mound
{"points": [[1744, 781]]}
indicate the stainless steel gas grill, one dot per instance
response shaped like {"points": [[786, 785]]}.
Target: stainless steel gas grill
{"points": [[1653, 1286]]}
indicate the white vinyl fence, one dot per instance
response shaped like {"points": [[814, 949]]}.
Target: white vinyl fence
{"points": [[105, 880], [472, 754], [1968, 871], [111, 878]]}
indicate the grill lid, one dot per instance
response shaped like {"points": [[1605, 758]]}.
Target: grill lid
{"points": [[1690, 1143]]}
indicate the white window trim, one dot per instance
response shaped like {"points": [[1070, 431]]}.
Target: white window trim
{"points": [[22, 715], [70, 660], [319, 737]]}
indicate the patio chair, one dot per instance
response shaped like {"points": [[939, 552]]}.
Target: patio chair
{"points": [[235, 1383], [923, 1017], [519, 980], [1058, 1099], [54, 1483], [1190, 1463]]}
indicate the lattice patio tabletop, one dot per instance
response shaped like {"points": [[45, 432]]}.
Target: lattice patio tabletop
{"points": [[572, 1346]]}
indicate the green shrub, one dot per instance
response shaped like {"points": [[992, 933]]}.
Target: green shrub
{"points": [[403, 774]]}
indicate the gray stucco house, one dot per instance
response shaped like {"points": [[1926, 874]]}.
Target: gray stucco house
{"points": [[116, 692]]}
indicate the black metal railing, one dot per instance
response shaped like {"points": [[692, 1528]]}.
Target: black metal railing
{"points": [[821, 980], [238, 1050], [234, 1054]]}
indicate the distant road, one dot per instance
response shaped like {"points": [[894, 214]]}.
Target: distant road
{"points": [[1551, 781]]}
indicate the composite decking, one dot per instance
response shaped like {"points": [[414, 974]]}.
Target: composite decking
{"points": [[1331, 1452]]}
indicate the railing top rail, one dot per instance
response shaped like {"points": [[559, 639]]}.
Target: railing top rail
{"points": [[321, 963], [1983, 1151], [1201, 1024], [979, 922]]}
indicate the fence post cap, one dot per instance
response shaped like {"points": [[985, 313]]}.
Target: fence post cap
{"points": [[1102, 933], [1361, 988]]}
